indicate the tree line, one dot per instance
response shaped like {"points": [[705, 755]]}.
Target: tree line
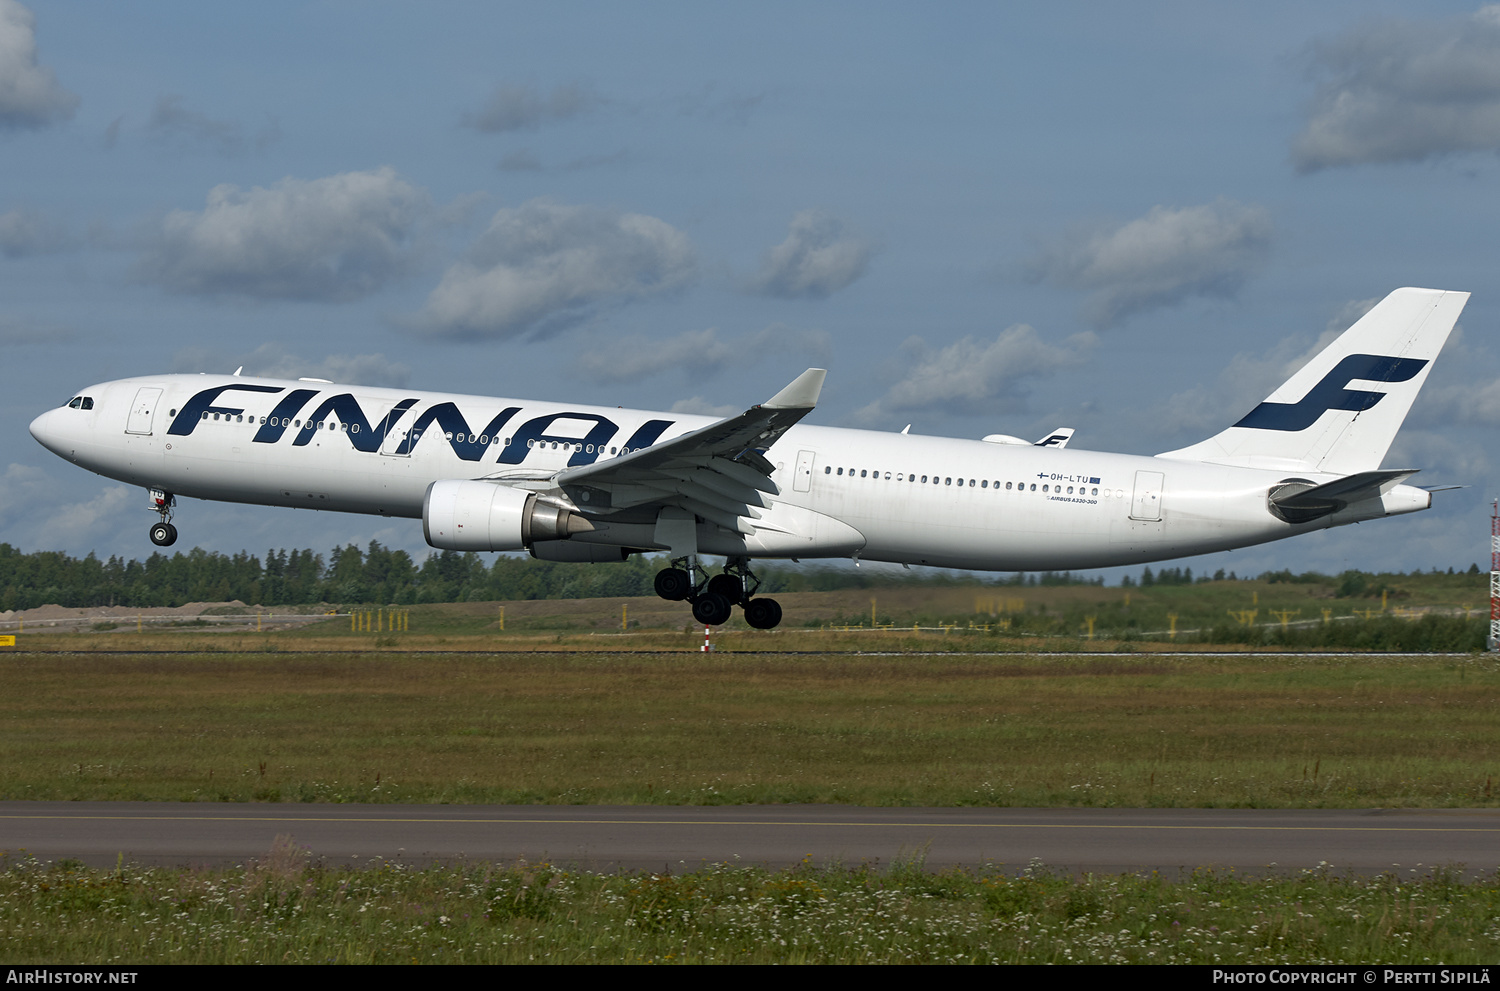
{"points": [[378, 574]]}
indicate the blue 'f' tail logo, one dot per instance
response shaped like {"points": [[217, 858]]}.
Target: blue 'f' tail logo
{"points": [[1330, 392]]}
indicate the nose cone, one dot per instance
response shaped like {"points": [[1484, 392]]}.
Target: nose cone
{"points": [[48, 431]]}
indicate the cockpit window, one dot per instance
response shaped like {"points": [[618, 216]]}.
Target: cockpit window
{"points": [[81, 402], [88, 402]]}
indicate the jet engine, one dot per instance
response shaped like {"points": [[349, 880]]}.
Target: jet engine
{"points": [[466, 515]]}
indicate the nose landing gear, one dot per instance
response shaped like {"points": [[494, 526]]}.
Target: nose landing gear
{"points": [[714, 598], [163, 534]]}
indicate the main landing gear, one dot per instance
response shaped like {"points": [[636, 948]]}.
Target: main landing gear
{"points": [[163, 534], [714, 598]]}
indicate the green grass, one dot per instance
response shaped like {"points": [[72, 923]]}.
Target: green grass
{"points": [[286, 910], [1086, 730]]}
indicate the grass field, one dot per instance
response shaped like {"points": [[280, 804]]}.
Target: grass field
{"points": [[609, 701], [283, 910], [1103, 730], [1436, 612]]}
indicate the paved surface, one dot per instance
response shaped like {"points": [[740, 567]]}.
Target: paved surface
{"points": [[682, 838]]}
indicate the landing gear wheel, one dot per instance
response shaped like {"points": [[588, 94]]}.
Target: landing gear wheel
{"points": [[673, 584], [164, 535], [712, 609], [763, 614], [732, 587]]}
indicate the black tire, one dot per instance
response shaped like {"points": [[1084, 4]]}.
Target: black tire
{"points": [[673, 584], [712, 609], [729, 586], [164, 535], [763, 614]]}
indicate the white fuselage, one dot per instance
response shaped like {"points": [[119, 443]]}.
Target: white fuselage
{"points": [[887, 497]]}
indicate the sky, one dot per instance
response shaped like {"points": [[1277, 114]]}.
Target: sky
{"points": [[1132, 219]]}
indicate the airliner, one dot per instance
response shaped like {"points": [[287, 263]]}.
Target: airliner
{"points": [[570, 482]]}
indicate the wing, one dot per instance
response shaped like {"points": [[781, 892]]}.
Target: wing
{"points": [[717, 472]]}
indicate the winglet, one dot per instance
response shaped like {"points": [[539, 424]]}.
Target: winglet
{"points": [[802, 393]]}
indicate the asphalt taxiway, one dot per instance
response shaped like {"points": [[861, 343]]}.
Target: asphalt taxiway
{"points": [[681, 838]]}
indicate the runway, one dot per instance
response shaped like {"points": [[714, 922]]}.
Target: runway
{"points": [[676, 838]]}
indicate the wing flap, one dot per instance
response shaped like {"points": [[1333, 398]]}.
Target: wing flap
{"points": [[718, 472]]}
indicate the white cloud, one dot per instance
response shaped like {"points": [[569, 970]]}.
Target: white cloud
{"points": [[29, 506], [544, 265], [521, 108], [173, 124], [29, 94], [1159, 259], [1396, 91], [336, 238], [696, 352], [273, 360], [976, 376], [1249, 378], [820, 256], [1442, 458], [1470, 403], [698, 406], [1347, 316], [26, 232]]}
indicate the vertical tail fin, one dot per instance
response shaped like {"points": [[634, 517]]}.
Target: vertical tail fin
{"points": [[1340, 413]]}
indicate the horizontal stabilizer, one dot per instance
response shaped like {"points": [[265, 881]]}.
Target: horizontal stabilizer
{"points": [[1300, 501]]}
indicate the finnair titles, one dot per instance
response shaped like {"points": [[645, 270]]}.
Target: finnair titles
{"points": [[584, 483]]}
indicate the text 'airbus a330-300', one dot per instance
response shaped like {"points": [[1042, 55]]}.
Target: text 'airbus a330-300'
{"points": [[585, 483]]}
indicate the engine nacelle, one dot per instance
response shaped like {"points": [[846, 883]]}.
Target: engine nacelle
{"points": [[468, 515]]}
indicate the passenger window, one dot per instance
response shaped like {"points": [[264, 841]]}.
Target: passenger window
{"points": [[950, 481], [827, 469], [1007, 486], [887, 476], [1033, 486]]}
